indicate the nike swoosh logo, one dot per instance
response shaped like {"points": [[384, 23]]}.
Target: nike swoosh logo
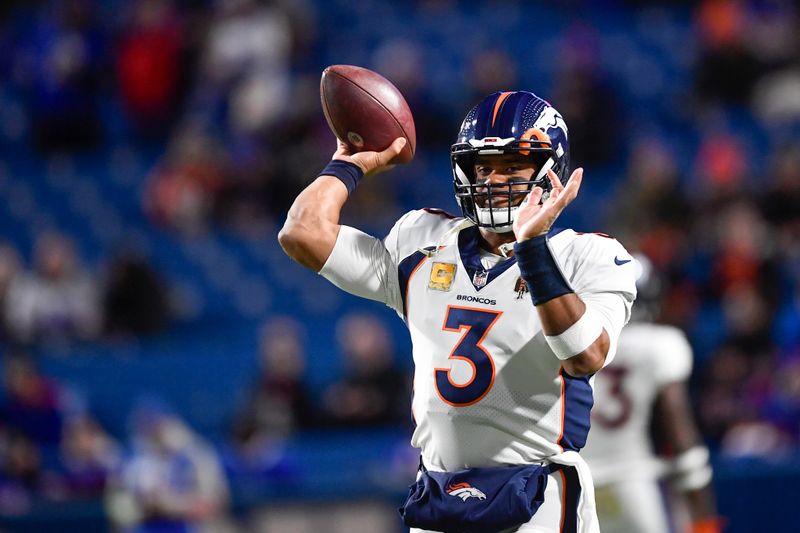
{"points": [[618, 261]]}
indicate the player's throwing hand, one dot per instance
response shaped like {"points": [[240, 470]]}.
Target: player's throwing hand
{"points": [[370, 162], [536, 219]]}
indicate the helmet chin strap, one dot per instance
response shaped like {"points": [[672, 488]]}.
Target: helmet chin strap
{"points": [[506, 247]]}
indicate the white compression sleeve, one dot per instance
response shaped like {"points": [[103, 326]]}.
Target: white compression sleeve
{"points": [[604, 310], [577, 337]]}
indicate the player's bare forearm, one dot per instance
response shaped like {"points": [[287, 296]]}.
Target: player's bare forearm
{"points": [[312, 224], [677, 427], [674, 414], [702, 505], [557, 316]]}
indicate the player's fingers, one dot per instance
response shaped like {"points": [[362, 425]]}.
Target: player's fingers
{"points": [[555, 182], [390, 153], [341, 148], [534, 196], [573, 186]]}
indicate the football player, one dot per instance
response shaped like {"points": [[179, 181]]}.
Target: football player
{"points": [[509, 317], [647, 383]]}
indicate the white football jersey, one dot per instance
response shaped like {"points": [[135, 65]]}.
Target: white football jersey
{"points": [[488, 390], [649, 356]]}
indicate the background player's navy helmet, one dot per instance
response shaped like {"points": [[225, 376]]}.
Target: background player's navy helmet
{"points": [[507, 123]]}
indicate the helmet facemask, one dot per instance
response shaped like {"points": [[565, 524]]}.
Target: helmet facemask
{"points": [[494, 206]]}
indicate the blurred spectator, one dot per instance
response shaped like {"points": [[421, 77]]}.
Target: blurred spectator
{"points": [[650, 209], [776, 97], [61, 65], [280, 404], [587, 101], [782, 196], [722, 405], [21, 476], [32, 404], [374, 391], [271, 168], [246, 82], [172, 482], [727, 68], [783, 406], [89, 456], [58, 301], [772, 33], [180, 192], [248, 61], [742, 244], [722, 166], [403, 63], [9, 270], [150, 64], [489, 71], [755, 438], [134, 301], [747, 319]]}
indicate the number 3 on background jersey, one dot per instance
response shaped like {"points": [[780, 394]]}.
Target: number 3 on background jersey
{"points": [[615, 376], [476, 324]]}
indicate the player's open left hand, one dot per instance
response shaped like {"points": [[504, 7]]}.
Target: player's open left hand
{"points": [[370, 162], [536, 218]]}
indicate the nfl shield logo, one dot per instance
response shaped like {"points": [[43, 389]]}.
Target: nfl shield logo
{"points": [[521, 288], [479, 278]]}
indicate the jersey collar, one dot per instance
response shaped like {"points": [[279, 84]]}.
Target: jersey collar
{"points": [[468, 248]]}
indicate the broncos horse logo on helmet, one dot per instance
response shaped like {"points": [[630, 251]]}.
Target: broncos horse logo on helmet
{"points": [[507, 123]]}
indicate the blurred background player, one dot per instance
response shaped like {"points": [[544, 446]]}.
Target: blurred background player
{"points": [[644, 389]]}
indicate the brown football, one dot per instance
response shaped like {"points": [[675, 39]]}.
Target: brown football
{"points": [[366, 111]]}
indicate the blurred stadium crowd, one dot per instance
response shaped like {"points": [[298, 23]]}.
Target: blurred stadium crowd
{"points": [[150, 148]]}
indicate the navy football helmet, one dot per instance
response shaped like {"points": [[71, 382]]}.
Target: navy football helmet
{"points": [[507, 123]]}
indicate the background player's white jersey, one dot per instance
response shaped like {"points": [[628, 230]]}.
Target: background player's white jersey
{"points": [[488, 390], [649, 356]]}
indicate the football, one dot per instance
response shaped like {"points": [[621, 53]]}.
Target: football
{"points": [[366, 111]]}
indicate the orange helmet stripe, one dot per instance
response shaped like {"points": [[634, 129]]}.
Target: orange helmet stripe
{"points": [[498, 103]]}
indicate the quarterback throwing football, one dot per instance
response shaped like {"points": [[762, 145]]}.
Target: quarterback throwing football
{"points": [[509, 317]]}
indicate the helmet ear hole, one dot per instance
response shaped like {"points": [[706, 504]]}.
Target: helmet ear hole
{"points": [[532, 133]]}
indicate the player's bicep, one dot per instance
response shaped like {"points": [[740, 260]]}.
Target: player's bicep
{"points": [[361, 265]]}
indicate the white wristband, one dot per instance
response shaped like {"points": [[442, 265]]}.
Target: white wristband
{"points": [[691, 470], [694, 480], [577, 337]]}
